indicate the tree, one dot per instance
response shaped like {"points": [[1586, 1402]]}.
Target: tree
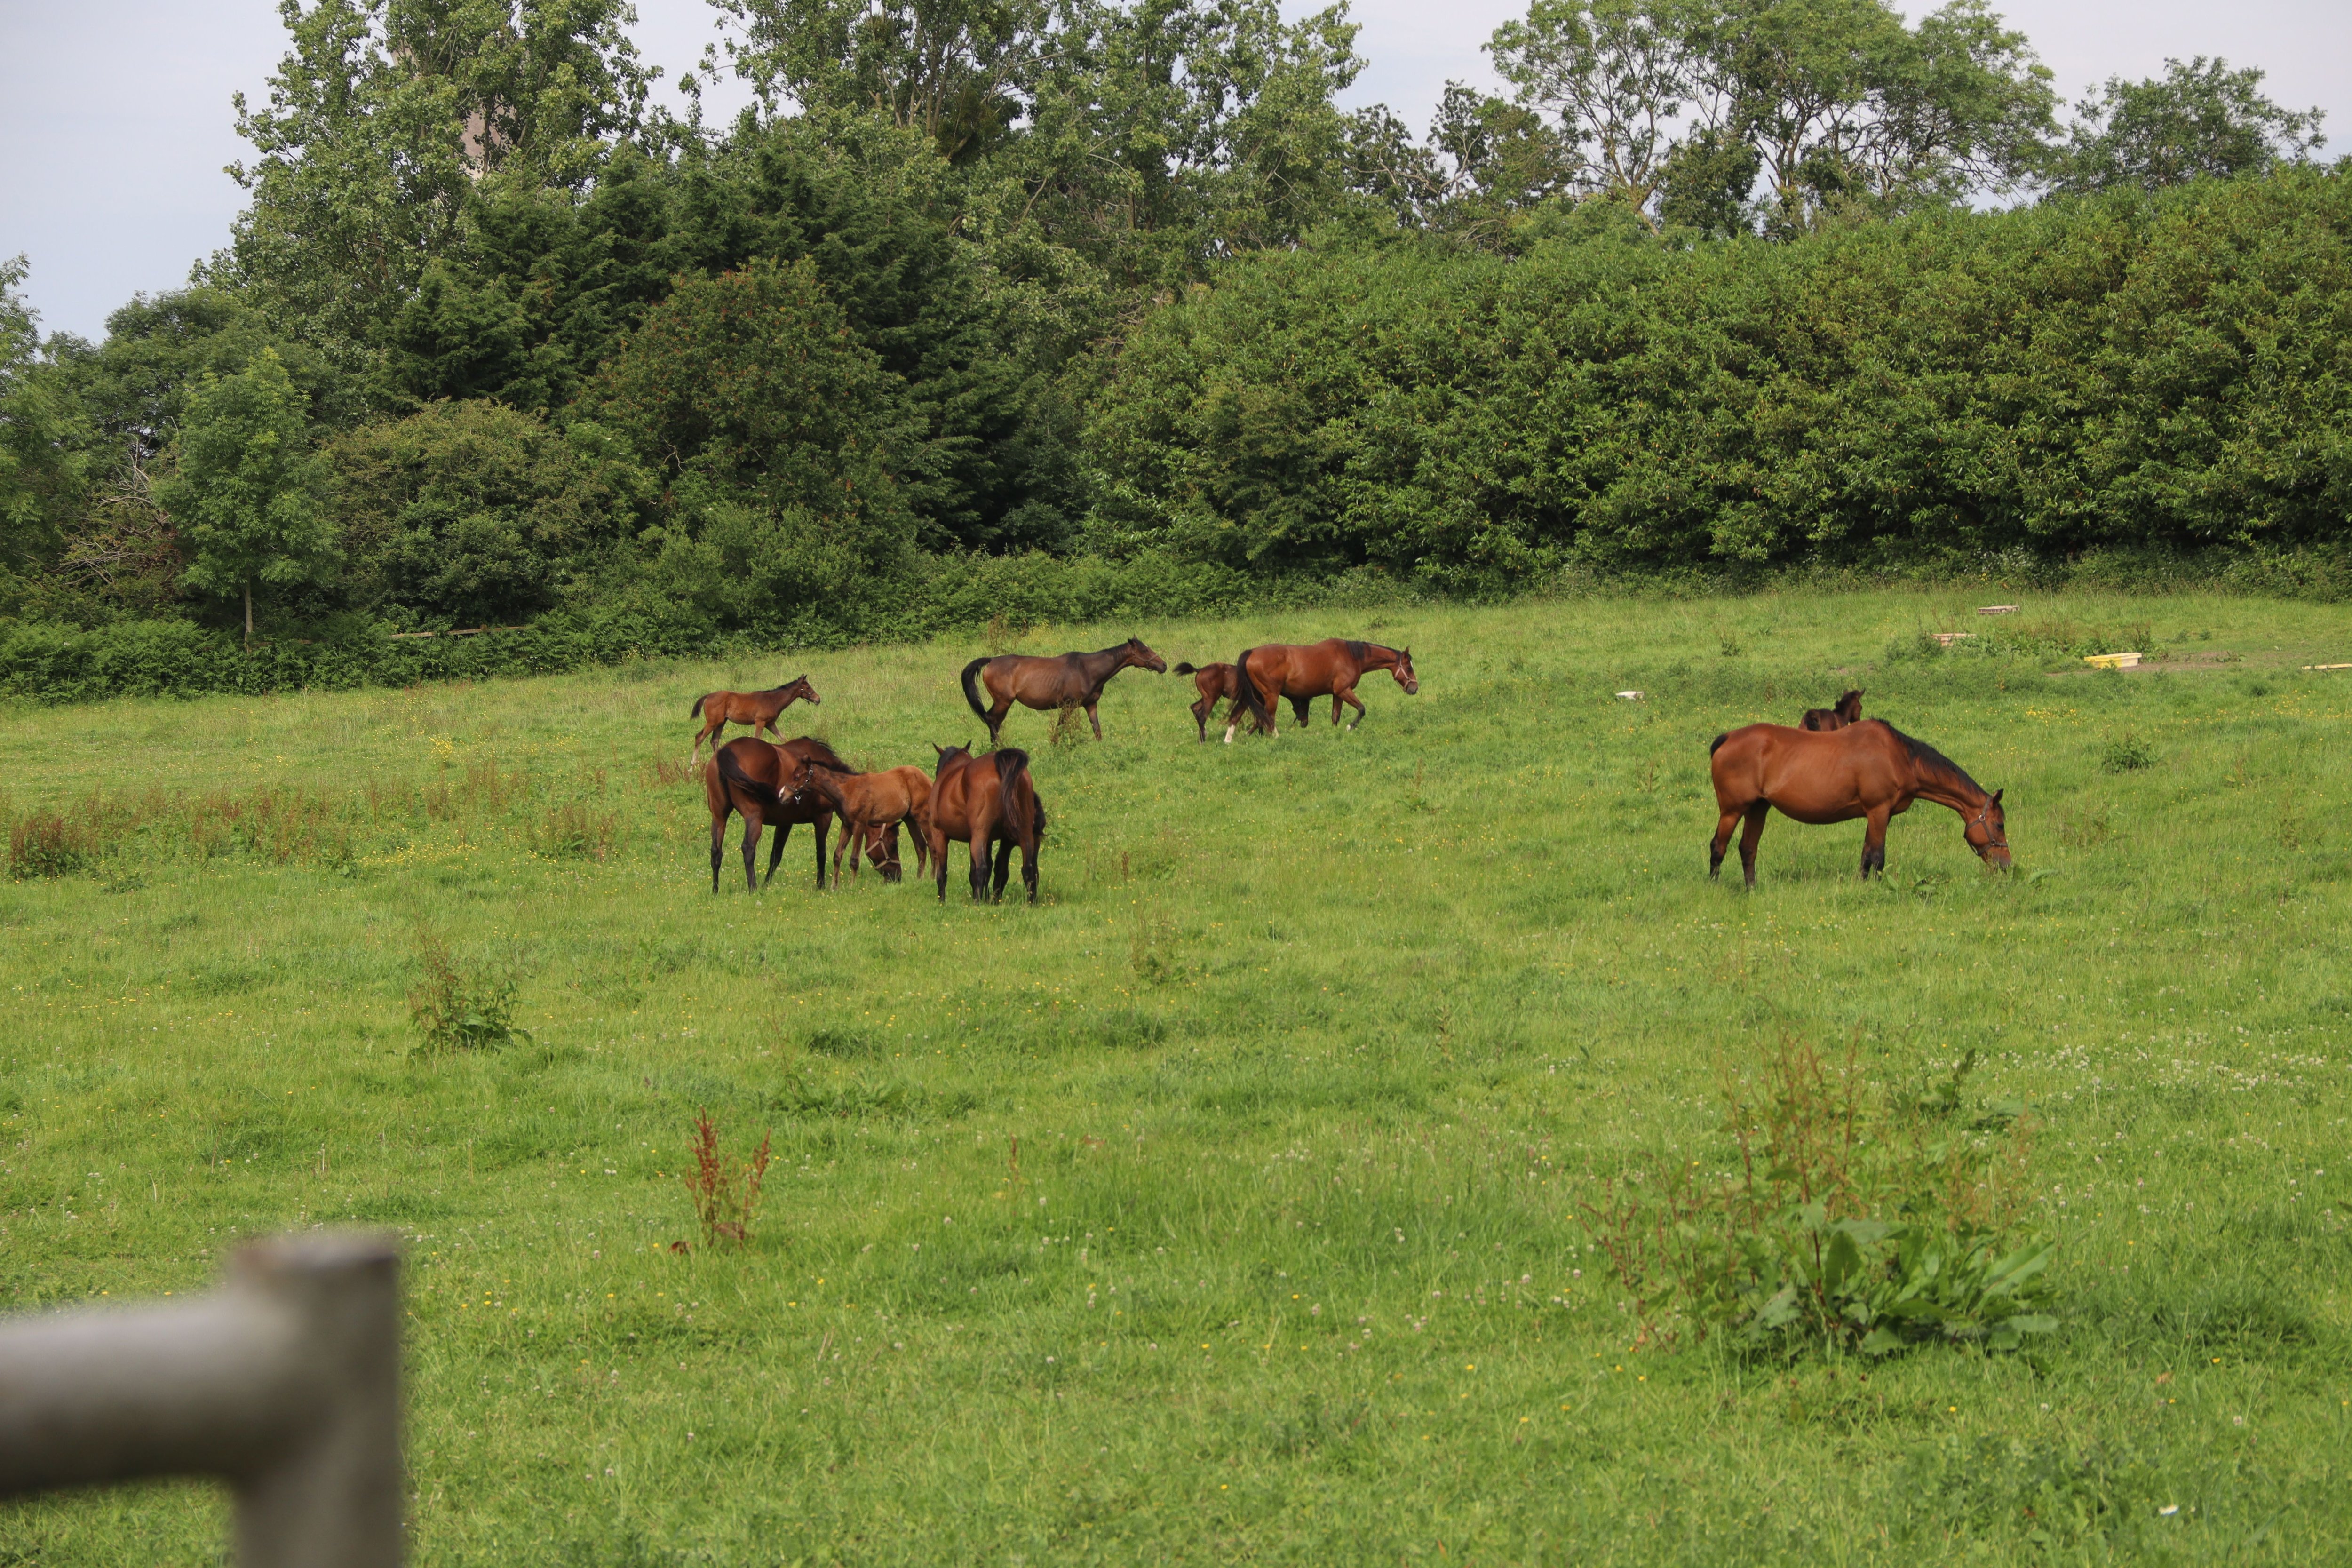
{"points": [[1617, 73], [2202, 118], [40, 466], [246, 497]]}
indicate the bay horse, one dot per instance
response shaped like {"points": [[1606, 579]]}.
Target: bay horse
{"points": [[880, 846], [717, 710], [1214, 682], [1847, 712], [989, 803], [1869, 769], [746, 775], [1056, 681], [1303, 672], [868, 804]]}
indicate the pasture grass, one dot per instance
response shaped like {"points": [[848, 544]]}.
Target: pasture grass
{"points": [[1222, 1208]]}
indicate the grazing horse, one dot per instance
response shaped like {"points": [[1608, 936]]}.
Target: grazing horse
{"points": [[1869, 769], [1847, 712], [1215, 684], [880, 845], [1302, 673], [868, 803], [744, 776], [1053, 682], [986, 802], [757, 709]]}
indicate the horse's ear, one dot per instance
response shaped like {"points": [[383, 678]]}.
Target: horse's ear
{"points": [[1996, 797]]}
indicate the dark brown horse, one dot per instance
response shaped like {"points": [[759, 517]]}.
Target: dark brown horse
{"points": [[1303, 672], [1214, 682], [868, 803], [1869, 769], [988, 803], [1072, 678], [1847, 712], [749, 775], [757, 709]]}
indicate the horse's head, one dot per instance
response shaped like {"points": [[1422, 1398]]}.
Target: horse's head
{"points": [[813, 778], [800, 687], [1405, 675], [1988, 833], [1849, 706], [1144, 658]]}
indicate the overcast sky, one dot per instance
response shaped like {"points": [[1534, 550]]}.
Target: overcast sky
{"points": [[115, 118]]}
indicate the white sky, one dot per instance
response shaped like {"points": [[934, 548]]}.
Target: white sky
{"points": [[115, 121]]}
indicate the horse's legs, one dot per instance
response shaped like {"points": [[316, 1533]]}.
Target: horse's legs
{"points": [[1347, 696], [1721, 842], [1200, 719], [776, 851], [1302, 711], [823, 828], [1094, 718], [979, 865], [1756, 814], [751, 852], [717, 845], [1029, 866], [1003, 870], [939, 837], [1874, 843], [995, 716]]}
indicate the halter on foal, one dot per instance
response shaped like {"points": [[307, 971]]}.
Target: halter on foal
{"points": [[1847, 712], [1058, 682], [717, 710], [1869, 769], [1303, 672], [745, 775], [986, 802]]}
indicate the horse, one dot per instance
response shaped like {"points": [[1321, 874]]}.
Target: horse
{"points": [[1847, 712], [757, 709], [1302, 673], [1053, 682], [985, 801], [744, 776], [880, 845], [1869, 769], [868, 803], [1214, 682]]}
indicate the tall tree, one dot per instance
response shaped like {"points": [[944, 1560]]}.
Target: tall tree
{"points": [[2199, 118], [1618, 74], [246, 497], [41, 468]]}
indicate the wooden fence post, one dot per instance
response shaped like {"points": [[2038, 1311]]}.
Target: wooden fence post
{"points": [[285, 1384]]}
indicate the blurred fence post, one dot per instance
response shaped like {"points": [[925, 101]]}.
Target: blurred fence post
{"points": [[285, 1384]]}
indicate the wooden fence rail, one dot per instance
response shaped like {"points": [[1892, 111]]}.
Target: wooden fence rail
{"points": [[285, 1384]]}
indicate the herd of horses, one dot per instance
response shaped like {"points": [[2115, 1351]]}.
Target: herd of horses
{"points": [[1833, 766]]}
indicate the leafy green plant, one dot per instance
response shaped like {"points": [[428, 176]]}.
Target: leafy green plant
{"points": [[2127, 753], [47, 844], [1849, 1218], [459, 1012], [573, 832]]}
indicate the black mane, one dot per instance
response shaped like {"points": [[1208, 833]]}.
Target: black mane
{"points": [[1930, 759]]}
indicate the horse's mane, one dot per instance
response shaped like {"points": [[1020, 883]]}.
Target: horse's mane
{"points": [[824, 756], [1927, 757], [1359, 651]]}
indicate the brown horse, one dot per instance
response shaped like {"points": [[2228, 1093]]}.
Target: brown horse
{"points": [[880, 845], [1053, 682], [868, 803], [717, 710], [745, 776], [986, 802], [1869, 769], [1847, 712], [1215, 684], [1302, 673]]}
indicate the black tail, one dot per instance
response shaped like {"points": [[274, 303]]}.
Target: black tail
{"points": [[1183, 669], [733, 772], [1246, 689], [1719, 741], [971, 692], [1011, 764], [699, 702]]}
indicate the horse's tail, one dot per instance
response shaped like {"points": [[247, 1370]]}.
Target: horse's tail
{"points": [[699, 702], [1715, 744], [971, 692], [1246, 689], [733, 772], [1011, 764], [1185, 669]]}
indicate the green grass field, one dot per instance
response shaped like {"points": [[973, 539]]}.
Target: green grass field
{"points": [[1310, 1051]]}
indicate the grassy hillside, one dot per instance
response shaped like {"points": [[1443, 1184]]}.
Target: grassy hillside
{"points": [[1310, 1052]]}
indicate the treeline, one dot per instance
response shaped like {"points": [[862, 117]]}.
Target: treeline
{"points": [[1057, 312]]}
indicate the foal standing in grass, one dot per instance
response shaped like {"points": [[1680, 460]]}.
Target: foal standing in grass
{"points": [[717, 710], [1067, 681]]}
